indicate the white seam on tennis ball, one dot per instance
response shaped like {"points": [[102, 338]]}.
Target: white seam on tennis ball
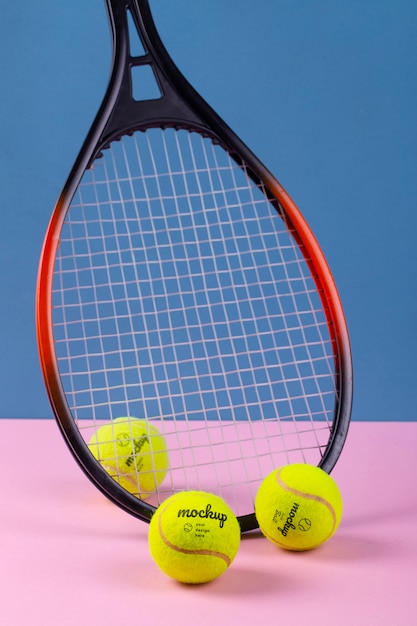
{"points": [[166, 541], [132, 480], [308, 496]]}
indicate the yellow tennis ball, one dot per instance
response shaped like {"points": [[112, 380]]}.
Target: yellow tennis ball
{"points": [[298, 507], [133, 452], [194, 537]]}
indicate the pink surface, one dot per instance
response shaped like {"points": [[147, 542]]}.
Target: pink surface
{"points": [[69, 557]]}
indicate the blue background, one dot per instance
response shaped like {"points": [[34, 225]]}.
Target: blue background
{"points": [[325, 93]]}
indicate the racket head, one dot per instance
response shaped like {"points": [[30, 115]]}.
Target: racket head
{"points": [[179, 283]]}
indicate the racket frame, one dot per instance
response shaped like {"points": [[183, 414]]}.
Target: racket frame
{"points": [[179, 107]]}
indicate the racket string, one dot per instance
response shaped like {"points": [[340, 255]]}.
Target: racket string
{"points": [[180, 295]]}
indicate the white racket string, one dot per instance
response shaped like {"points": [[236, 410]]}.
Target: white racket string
{"points": [[181, 296]]}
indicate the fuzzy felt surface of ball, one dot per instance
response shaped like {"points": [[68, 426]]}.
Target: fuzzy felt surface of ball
{"points": [[133, 452], [194, 537], [298, 506]]}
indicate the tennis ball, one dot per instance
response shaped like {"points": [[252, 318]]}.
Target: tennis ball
{"points": [[133, 452], [194, 536], [298, 506]]}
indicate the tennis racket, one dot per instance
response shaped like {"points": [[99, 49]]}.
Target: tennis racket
{"points": [[179, 284]]}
